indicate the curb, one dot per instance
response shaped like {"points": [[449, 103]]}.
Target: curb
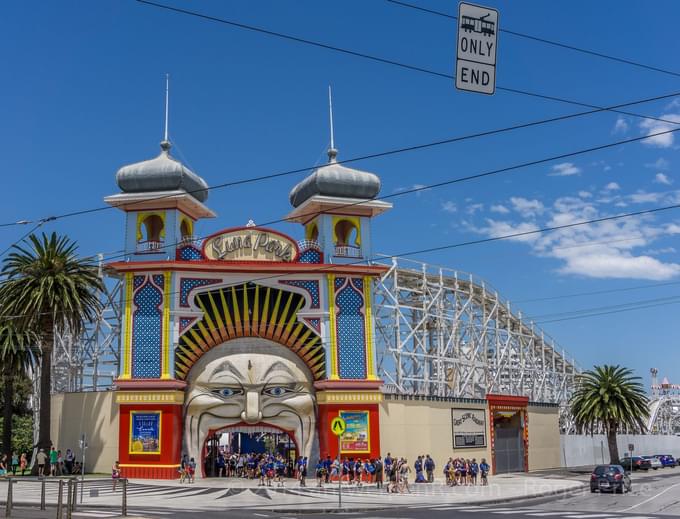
{"points": [[496, 501]]}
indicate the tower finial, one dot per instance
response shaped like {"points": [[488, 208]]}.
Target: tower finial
{"points": [[332, 152], [165, 145]]}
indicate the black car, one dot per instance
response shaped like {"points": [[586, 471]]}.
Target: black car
{"points": [[610, 478], [637, 463]]}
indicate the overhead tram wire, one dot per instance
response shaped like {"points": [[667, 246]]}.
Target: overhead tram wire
{"points": [[371, 57], [546, 41], [597, 314], [386, 153], [595, 109], [482, 175], [596, 292], [577, 312], [383, 257]]}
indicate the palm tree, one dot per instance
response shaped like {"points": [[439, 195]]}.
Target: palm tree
{"points": [[49, 290], [18, 350], [609, 398]]}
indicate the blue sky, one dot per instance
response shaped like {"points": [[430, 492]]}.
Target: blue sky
{"points": [[82, 95]]}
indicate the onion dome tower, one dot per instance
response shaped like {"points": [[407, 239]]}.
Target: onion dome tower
{"points": [[335, 204], [162, 199]]}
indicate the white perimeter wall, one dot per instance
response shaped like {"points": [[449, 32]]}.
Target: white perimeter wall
{"points": [[581, 449]]}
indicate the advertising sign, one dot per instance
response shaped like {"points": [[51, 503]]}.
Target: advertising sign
{"points": [[145, 432], [469, 428], [356, 436], [250, 244]]}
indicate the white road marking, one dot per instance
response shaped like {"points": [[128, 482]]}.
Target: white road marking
{"points": [[548, 514], [589, 516], [515, 511], [261, 515], [650, 499]]}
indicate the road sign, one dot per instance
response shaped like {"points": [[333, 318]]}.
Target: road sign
{"points": [[338, 426], [476, 50], [631, 447]]}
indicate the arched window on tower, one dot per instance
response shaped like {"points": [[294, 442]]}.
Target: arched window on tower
{"points": [[151, 233], [347, 238], [186, 231]]}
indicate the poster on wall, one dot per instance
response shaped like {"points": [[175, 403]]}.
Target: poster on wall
{"points": [[469, 428], [356, 436], [145, 432]]}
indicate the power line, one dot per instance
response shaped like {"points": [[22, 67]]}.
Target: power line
{"points": [[386, 153], [596, 292], [642, 307], [546, 41], [372, 57], [536, 318]]}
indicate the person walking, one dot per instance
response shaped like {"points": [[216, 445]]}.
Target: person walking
{"points": [[23, 463], [3, 465], [429, 469], [115, 474], [474, 469], [378, 472], [41, 458], [484, 469], [15, 463], [68, 461], [54, 459]]}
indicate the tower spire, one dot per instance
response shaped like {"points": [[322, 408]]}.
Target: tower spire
{"points": [[165, 144], [332, 152]]}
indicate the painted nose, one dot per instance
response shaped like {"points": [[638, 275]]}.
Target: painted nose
{"points": [[252, 414]]}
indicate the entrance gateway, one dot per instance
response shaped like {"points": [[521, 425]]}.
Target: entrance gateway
{"points": [[248, 340]]}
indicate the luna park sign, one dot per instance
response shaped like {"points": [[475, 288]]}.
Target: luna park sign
{"points": [[248, 244]]}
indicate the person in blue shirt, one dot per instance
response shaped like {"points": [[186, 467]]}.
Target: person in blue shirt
{"points": [[429, 468], [474, 469], [327, 464], [484, 469]]}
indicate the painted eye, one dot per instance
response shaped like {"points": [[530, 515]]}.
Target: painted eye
{"points": [[226, 392], [276, 391]]}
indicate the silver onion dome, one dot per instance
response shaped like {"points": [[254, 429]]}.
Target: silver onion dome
{"points": [[163, 173], [336, 180]]}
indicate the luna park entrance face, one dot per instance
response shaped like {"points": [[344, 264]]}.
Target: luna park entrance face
{"points": [[238, 451]]}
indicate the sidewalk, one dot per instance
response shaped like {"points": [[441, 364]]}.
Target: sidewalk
{"points": [[231, 493]]}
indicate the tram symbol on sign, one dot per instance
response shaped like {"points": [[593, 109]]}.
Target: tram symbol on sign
{"points": [[480, 25], [338, 426]]}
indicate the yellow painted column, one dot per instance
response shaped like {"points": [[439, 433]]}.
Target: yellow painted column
{"points": [[128, 295], [332, 327], [368, 326], [166, 350]]}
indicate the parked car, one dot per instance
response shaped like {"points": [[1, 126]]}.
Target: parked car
{"points": [[610, 478], [667, 460], [656, 462], [636, 463]]}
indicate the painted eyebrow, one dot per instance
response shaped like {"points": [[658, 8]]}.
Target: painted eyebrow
{"points": [[277, 366], [228, 367]]}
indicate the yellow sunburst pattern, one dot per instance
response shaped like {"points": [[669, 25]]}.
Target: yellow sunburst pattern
{"points": [[250, 310]]}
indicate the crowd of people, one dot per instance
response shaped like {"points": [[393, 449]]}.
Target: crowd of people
{"points": [[54, 463]]}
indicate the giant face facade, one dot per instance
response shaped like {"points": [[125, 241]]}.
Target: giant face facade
{"points": [[247, 382]]}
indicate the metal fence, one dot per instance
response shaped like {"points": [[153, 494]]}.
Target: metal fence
{"points": [[66, 499]]}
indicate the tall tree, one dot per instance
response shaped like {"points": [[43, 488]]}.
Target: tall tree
{"points": [[18, 350], [608, 399], [49, 289]]}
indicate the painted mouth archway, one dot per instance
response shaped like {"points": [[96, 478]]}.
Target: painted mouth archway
{"points": [[250, 310]]}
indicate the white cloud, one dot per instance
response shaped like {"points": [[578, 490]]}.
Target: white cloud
{"points": [[526, 207], [653, 126], [659, 163], [621, 126], [449, 207], [585, 194], [619, 248], [644, 198], [661, 178], [564, 169], [499, 208], [473, 208], [612, 186]]}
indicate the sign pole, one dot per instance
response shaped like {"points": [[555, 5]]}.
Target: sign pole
{"points": [[339, 472]]}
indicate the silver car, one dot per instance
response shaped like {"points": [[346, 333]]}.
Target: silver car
{"points": [[656, 462]]}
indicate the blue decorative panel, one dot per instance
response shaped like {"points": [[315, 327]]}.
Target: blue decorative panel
{"points": [[147, 331], [159, 280], [186, 285], [315, 323], [358, 283], [184, 322], [310, 256], [189, 253], [351, 336], [310, 286], [339, 282], [137, 281]]}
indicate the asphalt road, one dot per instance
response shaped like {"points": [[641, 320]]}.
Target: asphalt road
{"points": [[655, 495]]}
